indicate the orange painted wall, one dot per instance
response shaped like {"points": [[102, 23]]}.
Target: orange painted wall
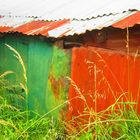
{"points": [[99, 76]]}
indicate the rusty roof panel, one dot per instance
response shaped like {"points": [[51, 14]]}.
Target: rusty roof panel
{"points": [[79, 27], [59, 28], [66, 9], [130, 21], [29, 16], [4, 29], [39, 27]]}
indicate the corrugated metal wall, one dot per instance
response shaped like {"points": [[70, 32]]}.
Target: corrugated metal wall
{"points": [[102, 76], [46, 65], [98, 76]]}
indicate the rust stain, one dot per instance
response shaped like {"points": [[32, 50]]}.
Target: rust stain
{"points": [[39, 27], [5, 29], [56, 85]]}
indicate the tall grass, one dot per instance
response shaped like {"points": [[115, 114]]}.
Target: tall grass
{"points": [[119, 121], [14, 121], [118, 124]]}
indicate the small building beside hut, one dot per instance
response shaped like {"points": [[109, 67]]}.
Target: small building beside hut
{"points": [[87, 49]]}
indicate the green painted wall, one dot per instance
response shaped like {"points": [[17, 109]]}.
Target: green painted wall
{"points": [[47, 67]]}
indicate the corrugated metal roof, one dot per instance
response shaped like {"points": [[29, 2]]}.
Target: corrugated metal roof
{"points": [[79, 27], [31, 26], [66, 9], [14, 21], [77, 16], [130, 21]]}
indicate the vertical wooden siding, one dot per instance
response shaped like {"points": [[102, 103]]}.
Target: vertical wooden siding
{"points": [[101, 77]]}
